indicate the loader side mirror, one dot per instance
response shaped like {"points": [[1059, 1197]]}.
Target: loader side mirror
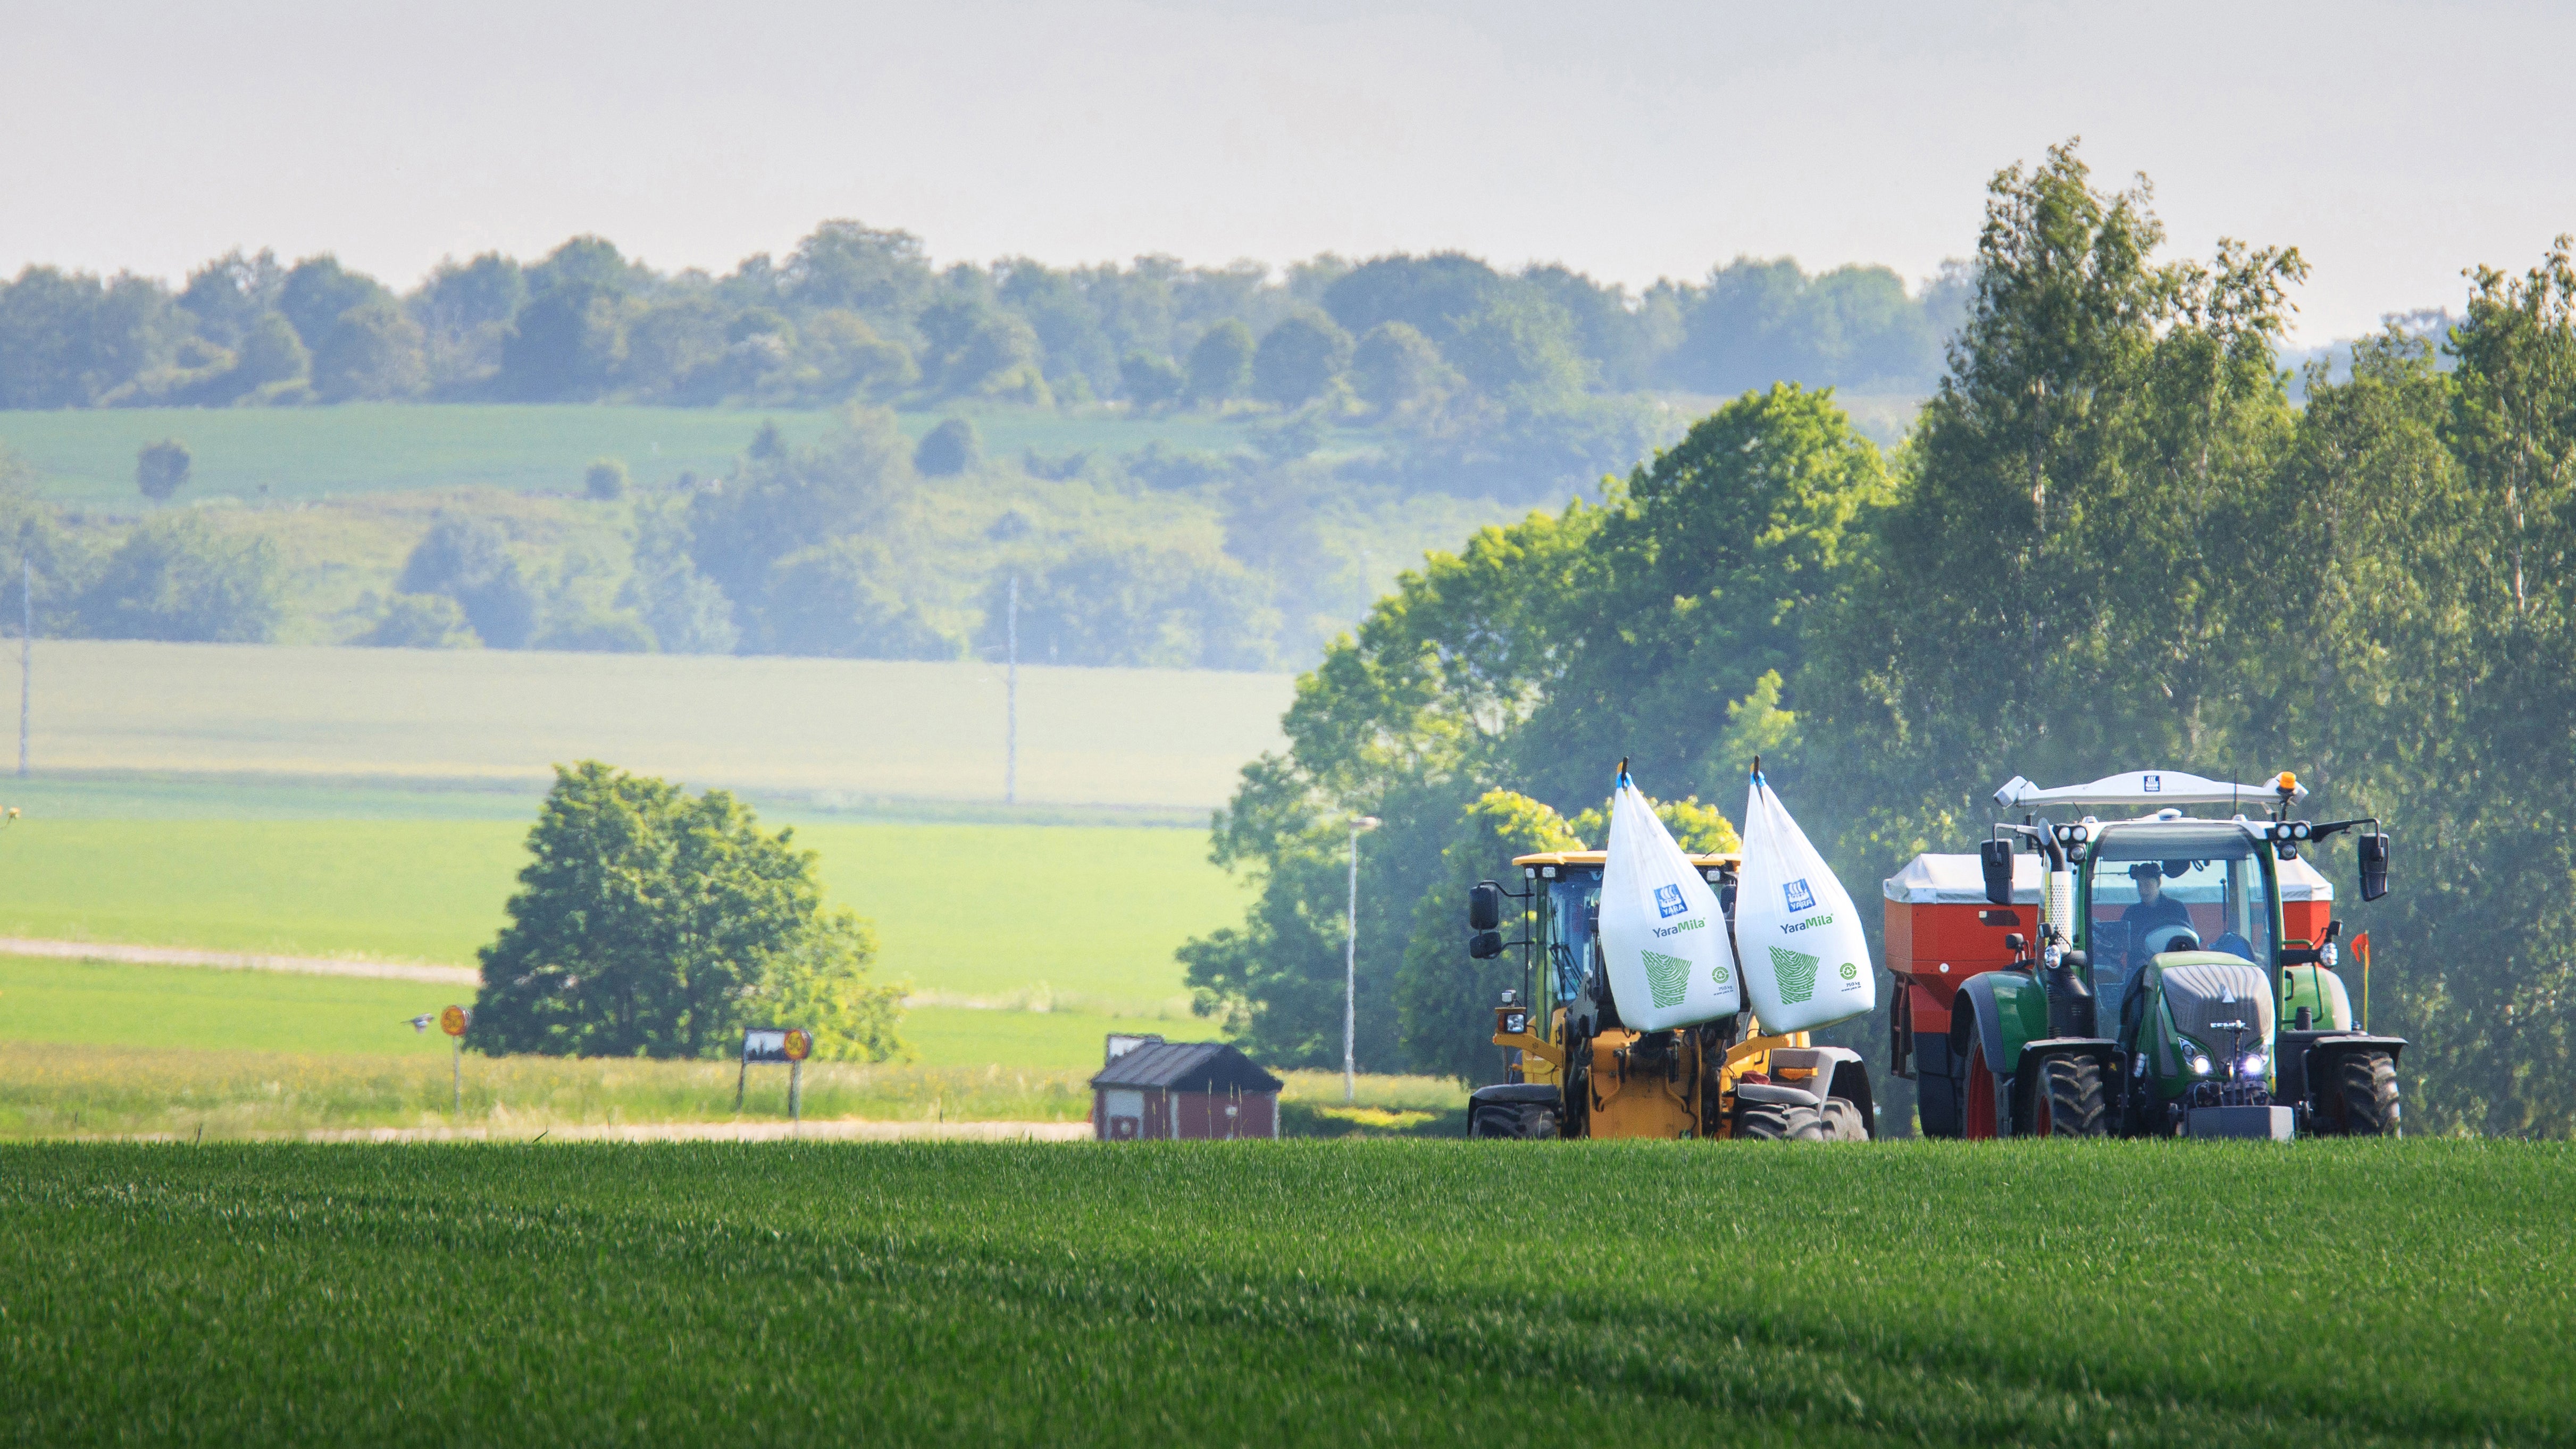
{"points": [[1996, 857], [1484, 906], [2374, 865], [1485, 945]]}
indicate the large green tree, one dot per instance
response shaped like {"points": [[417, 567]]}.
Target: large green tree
{"points": [[651, 922]]}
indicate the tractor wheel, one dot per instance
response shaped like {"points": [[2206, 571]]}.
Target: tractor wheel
{"points": [[2066, 1101], [1843, 1122], [2367, 1083], [1771, 1123], [1977, 1097]]}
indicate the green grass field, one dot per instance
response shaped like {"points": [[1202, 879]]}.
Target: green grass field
{"points": [[88, 456], [1292, 1293], [298, 453], [1085, 917], [90, 1090], [836, 731]]}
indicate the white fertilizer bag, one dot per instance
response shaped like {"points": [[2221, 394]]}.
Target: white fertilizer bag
{"points": [[1663, 935], [1806, 963]]}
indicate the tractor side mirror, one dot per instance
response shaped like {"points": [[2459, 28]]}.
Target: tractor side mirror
{"points": [[2334, 928], [1484, 906], [2374, 865], [2014, 943], [1996, 857], [1485, 945]]}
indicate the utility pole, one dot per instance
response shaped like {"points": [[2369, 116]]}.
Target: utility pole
{"points": [[1011, 701], [1351, 970], [26, 655]]}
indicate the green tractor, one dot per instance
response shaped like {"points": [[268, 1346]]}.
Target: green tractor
{"points": [[2179, 978]]}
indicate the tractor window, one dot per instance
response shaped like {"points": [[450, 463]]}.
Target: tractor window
{"points": [[1574, 919], [2167, 890]]}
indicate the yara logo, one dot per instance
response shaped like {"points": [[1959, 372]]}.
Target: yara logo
{"points": [[1668, 901], [1800, 898]]}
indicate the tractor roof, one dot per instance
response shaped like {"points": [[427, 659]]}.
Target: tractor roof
{"points": [[2152, 789], [1602, 857]]}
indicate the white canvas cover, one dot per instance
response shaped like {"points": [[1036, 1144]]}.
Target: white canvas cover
{"points": [[1957, 880], [1663, 934], [1798, 937]]}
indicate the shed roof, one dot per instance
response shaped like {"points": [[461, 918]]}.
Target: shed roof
{"points": [[1187, 1066]]}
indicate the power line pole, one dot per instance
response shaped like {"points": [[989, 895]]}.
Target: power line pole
{"points": [[1011, 702], [26, 655], [1351, 970]]}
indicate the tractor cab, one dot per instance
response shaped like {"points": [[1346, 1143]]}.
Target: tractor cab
{"points": [[1573, 1069], [2175, 976]]}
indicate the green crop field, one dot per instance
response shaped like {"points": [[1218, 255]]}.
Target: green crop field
{"points": [[833, 730], [281, 454], [1085, 917], [1292, 1293]]}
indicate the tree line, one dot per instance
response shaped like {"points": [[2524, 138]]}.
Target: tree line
{"points": [[2112, 541], [1478, 365]]}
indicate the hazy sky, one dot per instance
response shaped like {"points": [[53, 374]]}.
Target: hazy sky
{"points": [[2393, 145]]}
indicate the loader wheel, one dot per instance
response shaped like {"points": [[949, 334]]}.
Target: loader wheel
{"points": [[1525, 1121], [1770, 1123], [2367, 1083], [2066, 1101], [1843, 1121]]}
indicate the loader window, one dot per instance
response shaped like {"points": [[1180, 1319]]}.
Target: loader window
{"points": [[1574, 919]]}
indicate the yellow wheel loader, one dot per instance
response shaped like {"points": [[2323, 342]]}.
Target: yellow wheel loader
{"points": [[1573, 1070]]}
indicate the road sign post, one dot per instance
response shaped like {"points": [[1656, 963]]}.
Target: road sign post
{"points": [[453, 1021], [770, 1044]]}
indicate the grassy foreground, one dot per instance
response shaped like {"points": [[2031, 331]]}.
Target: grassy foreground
{"points": [[1328, 1293]]}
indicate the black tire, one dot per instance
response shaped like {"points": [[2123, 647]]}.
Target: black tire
{"points": [[1771, 1123], [2066, 1100], [1516, 1121], [1842, 1121], [2366, 1082]]}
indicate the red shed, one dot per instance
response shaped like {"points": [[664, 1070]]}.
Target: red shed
{"points": [[1181, 1091]]}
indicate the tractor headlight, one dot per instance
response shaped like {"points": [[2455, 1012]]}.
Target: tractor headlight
{"points": [[2199, 1064], [2252, 1066]]}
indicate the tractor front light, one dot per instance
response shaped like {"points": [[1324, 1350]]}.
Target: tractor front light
{"points": [[2252, 1066], [2199, 1065]]}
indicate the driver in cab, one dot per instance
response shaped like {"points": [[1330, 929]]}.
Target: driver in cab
{"points": [[2154, 913]]}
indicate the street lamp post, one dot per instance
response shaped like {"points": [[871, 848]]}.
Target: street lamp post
{"points": [[1351, 969]]}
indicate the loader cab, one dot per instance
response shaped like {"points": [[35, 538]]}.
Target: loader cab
{"points": [[1565, 889]]}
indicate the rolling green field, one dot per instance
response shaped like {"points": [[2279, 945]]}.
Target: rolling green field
{"points": [[1079, 916], [87, 456], [1292, 1293], [835, 731]]}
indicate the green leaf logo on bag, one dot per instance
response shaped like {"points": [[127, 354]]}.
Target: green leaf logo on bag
{"points": [[1851, 972], [1668, 977], [1796, 973]]}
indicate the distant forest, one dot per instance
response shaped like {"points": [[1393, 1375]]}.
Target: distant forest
{"points": [[1500, 367]]}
